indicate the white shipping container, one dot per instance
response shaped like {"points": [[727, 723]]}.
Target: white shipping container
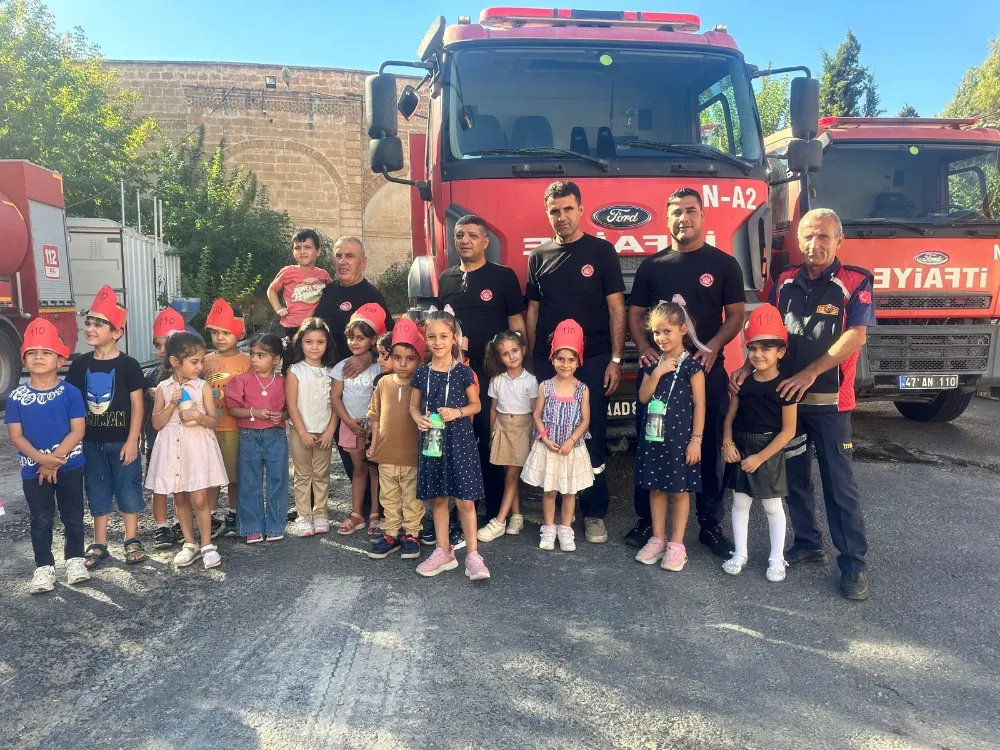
{"points": [[137, 267]]}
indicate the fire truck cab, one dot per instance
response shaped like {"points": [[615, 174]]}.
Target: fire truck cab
{"points": [[629, 105], [920, 203]]}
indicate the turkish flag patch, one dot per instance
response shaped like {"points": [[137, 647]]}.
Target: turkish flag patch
{"points": [[865, 298]]}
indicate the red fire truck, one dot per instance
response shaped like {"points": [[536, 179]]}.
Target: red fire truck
{"points": [[629, 105], [34, 262], [915, 199]]}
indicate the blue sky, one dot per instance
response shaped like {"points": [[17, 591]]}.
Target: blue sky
{"points": [[918, 50]]}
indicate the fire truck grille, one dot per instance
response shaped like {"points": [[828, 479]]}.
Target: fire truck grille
{"points": [[928, 352], [948, 302]]}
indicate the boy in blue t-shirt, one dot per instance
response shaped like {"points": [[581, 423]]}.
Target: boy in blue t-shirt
{"points": [[45, 421]]}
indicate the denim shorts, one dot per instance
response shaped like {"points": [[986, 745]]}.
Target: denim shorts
{"points": [[106, 480]]}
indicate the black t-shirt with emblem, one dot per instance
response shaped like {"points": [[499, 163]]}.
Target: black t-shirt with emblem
{"points": [[107, 386], [338, 303], [482, 300], [573, 281], [707, 278]]}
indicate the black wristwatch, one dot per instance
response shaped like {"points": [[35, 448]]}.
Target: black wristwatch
{"points": [[617, 361]]}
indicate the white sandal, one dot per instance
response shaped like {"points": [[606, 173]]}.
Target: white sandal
{"points": [[210, 555], [735, 565], [776, 570]]}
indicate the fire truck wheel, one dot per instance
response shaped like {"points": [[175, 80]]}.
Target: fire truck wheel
{"points": [[10, 365], [948, 405]]}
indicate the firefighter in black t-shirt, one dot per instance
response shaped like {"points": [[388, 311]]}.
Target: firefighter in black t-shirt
{"points": [[711, 283], [487, 300], [578, 276]]}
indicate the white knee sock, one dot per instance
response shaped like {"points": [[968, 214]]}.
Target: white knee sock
{"points": [[776, 527], [741, 521]]}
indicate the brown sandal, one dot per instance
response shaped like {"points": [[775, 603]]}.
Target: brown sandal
{"points": [[373, 525], [349, 525]]}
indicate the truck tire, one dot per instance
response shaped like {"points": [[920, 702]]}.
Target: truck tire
{"points": [[10, 365], [948, 405]]}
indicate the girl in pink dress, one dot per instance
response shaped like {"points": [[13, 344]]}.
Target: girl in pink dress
{"points": [[186, 459]]}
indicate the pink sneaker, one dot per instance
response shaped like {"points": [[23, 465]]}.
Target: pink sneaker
{"points": [[475, 568], [675, 558], [438, 562], [652, 552]]}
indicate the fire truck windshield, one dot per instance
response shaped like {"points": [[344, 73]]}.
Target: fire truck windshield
{"points": [[916, 184], [602, 102]]}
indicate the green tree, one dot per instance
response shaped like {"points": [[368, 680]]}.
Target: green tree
{"points": [[60, 108], [908, 111], [847, 88], [230, 241], [978, 95], [773, 103]]}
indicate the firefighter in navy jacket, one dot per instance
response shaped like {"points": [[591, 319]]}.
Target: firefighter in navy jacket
{"points": [[827, 308]]}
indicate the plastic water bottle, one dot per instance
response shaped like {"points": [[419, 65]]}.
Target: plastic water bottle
{"points": [[434, 438], [655, 421]]}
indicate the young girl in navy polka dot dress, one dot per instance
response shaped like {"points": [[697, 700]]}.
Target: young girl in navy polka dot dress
{"points": [[446, 387], [671, 467]]}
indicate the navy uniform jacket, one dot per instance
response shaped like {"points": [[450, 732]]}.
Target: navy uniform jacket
{"points": [[816, 313]]}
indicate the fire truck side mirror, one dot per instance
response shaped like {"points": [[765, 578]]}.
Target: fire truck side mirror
{"points": [[804, 156], [804, 112], [409, 100], [385, 154], [380, 105]]}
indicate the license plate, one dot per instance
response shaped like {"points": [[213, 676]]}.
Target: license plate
{"points": [[927, 382], [621, 409]]}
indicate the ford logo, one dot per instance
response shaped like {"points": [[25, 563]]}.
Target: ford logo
{"points": [[931, 258], [621, 217]]}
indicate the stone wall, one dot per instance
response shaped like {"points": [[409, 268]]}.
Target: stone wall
{"points": [[305, 140]]}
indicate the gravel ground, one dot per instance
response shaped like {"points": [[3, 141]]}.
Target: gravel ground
{"points": [[306, 642]]}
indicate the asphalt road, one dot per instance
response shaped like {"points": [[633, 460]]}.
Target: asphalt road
{"points": [[307, 643]]}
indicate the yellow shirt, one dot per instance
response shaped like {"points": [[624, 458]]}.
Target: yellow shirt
{"points": [[218, 371]]}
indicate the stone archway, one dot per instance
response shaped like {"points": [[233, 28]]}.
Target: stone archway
{"points": [[283, 165], [386, 227]]}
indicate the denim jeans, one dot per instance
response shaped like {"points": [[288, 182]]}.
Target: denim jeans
{"points": [[42, 499], [263, 501], [107, 479]]}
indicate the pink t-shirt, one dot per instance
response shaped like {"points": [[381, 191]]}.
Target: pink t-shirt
{"points": [[300, 289], [246, 391]]}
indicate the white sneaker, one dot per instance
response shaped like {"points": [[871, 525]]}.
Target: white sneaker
{"points": [[734, 565], [493, 530], [515, 524], [548, 540], [76, 571], [303, 527], [188, 554], [776, 570], [43, 580], [567, 539], [321, 526], [210, 556]]}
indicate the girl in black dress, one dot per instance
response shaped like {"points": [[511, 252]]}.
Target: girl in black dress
{"points": [[757, 428], [669, 467]]}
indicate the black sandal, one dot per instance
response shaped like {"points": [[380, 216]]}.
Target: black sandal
{"points": [[134, 552], [95, 555]]}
